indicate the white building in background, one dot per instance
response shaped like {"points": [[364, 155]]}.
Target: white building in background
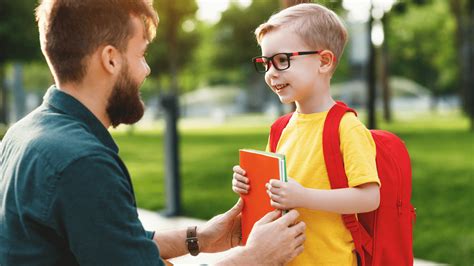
{"points": [[216, 102], [407, 95]]}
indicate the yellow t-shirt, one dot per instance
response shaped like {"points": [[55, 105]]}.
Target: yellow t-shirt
{"points": [[328, 242]]}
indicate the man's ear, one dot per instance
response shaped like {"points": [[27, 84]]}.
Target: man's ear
{"points": [[111, 59], [328, 61]]}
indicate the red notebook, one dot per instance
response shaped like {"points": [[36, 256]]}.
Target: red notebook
{"points": [[260, 167]]}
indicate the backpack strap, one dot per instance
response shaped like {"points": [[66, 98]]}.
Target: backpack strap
{"points": [[337, 175], [277, 129]]}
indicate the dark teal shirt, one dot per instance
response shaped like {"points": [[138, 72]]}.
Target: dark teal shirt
{"points": [[65, 195]]}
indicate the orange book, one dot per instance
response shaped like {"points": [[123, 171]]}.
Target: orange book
{"points": [[260, 167]]}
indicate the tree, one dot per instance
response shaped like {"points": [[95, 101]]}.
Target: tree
{"points": [[19, 36], [236, 45], [420, 48], [463, 12], [173, 47], [168, 55]]}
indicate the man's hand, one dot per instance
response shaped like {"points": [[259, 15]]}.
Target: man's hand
{"points": [[273, 241], [285, 195], [276, 239], [221, 232]]}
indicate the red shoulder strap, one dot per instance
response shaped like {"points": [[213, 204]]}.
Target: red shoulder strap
{"points": [[277, 129], [337, 175]]}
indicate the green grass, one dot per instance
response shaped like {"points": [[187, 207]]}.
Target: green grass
{"points": [[441, 148]]}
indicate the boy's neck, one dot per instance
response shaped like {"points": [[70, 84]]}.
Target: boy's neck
{"points": [[316, 107], [316, 103]]}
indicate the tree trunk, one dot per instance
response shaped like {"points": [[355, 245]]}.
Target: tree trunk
{"points": [[371, 79], [385, 74], [464, 14], [288, 3], [468, 68], [3, 96], [171, 109]]}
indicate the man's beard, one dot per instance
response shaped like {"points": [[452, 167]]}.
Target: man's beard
{"points": [[124, 104]]}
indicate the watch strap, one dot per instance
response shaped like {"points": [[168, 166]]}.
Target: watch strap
{"points": [[192, 241]]}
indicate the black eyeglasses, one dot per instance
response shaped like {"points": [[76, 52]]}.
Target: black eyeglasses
{"points": [[280, 61]]}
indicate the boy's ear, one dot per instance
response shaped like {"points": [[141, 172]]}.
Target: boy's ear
{"points": [[328, 60], [111, 59]]}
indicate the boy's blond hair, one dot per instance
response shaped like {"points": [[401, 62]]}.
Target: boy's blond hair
{"points": [[318, 26]]}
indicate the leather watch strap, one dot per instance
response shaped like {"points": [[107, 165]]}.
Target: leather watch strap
{"points": [[192, 241]]}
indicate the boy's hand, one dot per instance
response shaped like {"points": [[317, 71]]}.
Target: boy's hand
{"points": [[240, 183], [285, 195]]}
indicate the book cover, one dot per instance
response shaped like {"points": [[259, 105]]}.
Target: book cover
{"points": [[260, 168]]}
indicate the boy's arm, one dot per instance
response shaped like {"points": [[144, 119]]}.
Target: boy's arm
{"points": [[363, 198]]}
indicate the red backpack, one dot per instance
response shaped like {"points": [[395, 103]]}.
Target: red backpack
{"points": [[382, 236]]}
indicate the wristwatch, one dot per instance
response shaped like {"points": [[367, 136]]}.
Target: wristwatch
{"points": [[192, 241]]}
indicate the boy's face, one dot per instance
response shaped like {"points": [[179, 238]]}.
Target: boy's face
{"points": [[300, 81]]}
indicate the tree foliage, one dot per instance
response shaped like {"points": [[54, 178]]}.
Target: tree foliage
{"points": [[18, 31], [235, 39], [421, 46], [173, 46]]}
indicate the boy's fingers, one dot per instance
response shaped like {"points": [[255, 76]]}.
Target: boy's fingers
{"points": [[241, 178], [275, 198], [238, 169], [237, 183], [242, 186], [239, 190], [275, 183], [273, 190], [276, 205]]}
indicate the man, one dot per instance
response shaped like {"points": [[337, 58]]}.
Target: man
{"points": [[66, 196]]}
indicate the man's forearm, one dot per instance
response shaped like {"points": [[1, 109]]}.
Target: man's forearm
{"points": [[171, 243], [238, 256]]}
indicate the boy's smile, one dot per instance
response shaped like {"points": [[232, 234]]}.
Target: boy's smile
{"points": [[303, 82], [279, 87]]}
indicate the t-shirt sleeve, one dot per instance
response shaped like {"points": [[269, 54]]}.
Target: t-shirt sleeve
{"points": [[96, 214], [358, 149]]}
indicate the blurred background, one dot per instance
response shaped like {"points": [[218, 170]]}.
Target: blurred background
{"points": [[407, 68]]}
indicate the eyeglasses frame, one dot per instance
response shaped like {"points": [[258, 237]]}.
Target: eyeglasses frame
{"points": [[288, 55]]}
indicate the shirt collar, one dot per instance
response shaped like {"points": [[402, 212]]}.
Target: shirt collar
{"points": [[67, 104]]}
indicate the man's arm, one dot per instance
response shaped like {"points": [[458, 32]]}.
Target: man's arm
{"points": [[223, 232], [218, 234], [94, 211]]}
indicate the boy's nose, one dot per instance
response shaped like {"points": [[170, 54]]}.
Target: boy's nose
{"points": [[272, 71]]}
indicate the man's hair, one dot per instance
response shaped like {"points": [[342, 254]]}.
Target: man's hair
{"points": [[316, 25], [71, 30]]}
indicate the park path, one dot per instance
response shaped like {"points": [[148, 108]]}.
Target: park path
{"points": [[155, 222]]}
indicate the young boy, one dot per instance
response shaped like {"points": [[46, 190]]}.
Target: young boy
{"points": [[301, 46]]}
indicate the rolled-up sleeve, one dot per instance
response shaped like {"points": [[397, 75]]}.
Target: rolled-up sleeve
{"points": [[96, 214]]}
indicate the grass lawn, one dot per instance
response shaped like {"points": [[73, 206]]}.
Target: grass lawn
{"points": [[441, 148]]}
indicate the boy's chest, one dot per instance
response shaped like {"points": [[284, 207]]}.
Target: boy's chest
{"points": [[304, 156]]}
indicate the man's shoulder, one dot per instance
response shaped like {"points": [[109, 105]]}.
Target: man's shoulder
{"points": [[55, 137]]}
